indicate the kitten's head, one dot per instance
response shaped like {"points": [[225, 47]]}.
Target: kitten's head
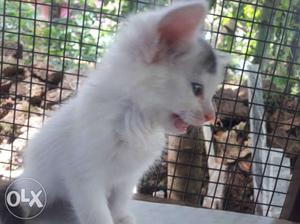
{"points": [[171, 71]]}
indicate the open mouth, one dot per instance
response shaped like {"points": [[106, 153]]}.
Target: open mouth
{"points": [[179, 124]]}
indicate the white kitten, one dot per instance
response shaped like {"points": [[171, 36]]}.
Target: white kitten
{"points": [[159, 76]]}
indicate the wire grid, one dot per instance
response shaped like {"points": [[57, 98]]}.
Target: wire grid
{"points": [[47, 45]]}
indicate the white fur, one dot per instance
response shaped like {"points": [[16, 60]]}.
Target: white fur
{"points": [[95, 147]]}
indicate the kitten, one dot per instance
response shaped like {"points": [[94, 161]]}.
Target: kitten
{"points": [[159, 76]]}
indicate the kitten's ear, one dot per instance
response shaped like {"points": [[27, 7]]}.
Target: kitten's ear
{"points": [[180, 24]]}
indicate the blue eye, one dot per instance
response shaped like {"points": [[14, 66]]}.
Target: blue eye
{"points": [[197, 88]]}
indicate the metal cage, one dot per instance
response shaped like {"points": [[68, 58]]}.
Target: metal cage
{"points": [[246, 161]]}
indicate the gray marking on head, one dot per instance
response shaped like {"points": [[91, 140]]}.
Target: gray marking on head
{"points": [[208, 57]]}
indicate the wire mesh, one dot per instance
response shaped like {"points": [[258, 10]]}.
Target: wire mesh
{"points": [[243, 162]]}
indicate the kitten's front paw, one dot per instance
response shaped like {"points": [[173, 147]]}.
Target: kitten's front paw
{"points": [[128, 219]]}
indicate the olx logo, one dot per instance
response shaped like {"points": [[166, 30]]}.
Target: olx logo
{"points": [[28, 195]]}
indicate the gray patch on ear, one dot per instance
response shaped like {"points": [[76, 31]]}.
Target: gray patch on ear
{"points": [[208, 57]]}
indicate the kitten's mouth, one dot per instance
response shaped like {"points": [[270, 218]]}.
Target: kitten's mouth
{"points": [[178, 123]]}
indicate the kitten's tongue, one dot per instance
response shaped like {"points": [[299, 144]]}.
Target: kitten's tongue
{"points": [[179, 124]]}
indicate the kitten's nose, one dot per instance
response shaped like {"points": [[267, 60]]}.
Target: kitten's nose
{"points": [[209, 112], [209, 118]]}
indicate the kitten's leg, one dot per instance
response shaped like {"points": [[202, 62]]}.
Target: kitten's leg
{"points": [[90, 205], [118, 203]]}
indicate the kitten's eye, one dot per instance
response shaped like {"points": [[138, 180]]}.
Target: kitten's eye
{"points": [[197, 88]]}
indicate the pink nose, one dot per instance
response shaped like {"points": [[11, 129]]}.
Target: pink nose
{"points": [[209, 117]]}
